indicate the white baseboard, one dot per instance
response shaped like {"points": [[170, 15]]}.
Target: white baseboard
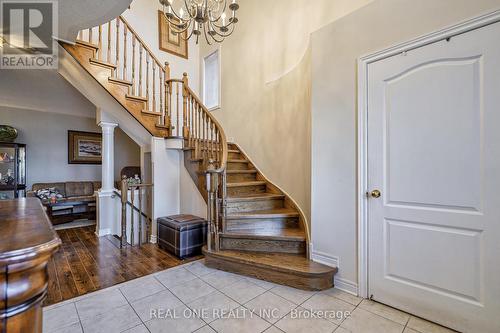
{"points": [[334, 261], [346, 285], [103, 232], [325, 259], [153, 239]]}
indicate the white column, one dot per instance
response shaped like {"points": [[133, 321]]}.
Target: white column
{"points": [[107, 202], [108, 156]]}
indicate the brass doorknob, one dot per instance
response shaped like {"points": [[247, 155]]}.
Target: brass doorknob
{"points": [[375, 194]]}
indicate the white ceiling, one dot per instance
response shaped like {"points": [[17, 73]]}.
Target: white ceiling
{"points": [[42, 90]]}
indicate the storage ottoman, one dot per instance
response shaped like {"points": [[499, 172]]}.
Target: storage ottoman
{"points": [[182, 235]]}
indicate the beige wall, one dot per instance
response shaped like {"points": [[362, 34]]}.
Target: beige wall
{"points": [[143, 17], [335, 49], [266, 79]]}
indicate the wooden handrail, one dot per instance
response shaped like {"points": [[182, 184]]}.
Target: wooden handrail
{"points": [[223, 160]]}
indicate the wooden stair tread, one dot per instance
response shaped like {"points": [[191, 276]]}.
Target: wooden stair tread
{"points": [[162, 126], [87, 44], [283, 262], [237, 161], [102, 63], [249, 183], [119, 81], [241, 171], [262, 214], [137, 98], [255, 197], [151, 113], [294, 234]]}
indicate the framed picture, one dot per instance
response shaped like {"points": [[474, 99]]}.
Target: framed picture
{"points": [[84, 147], [170, 41]]}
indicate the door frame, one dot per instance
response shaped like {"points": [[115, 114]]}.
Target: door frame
{"points": [[362, 115]]}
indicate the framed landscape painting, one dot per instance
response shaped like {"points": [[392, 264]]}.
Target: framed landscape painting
{"points": [[170, 41], [84, 147]]}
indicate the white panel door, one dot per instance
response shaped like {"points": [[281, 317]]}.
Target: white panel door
{"points": [[434, 154]]}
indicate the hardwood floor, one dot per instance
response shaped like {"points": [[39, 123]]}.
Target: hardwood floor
{"points": [[86, 263]]}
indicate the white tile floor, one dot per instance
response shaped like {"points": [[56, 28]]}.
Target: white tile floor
{"points": [[204, 300]]}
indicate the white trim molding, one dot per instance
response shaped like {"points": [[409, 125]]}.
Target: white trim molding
{"points": [[334, 261], [363, 62], [325, 259], [348, 286], [103, 232]]}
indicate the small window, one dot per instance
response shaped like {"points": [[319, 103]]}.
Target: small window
{"points": [[211, 80]]}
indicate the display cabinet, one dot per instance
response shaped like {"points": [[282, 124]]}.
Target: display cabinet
{"points": [[12, 170]]}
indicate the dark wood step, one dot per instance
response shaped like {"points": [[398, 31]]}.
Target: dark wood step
{"points": [[266, 214], [277, 218], [233, 154], [293, 270], [253, 202], [269, 241], [257, 186], [238, 164], [235, 176]]}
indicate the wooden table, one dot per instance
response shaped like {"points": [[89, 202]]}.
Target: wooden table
{"points": [[27, 241], [68, 211]]}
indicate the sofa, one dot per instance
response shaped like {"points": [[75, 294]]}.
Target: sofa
{"points": [[70, 192]]}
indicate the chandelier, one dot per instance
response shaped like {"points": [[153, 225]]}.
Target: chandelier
{"points": [[197, 17]]}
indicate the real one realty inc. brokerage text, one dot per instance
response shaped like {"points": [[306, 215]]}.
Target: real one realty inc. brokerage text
{"points": [[242, 313]]}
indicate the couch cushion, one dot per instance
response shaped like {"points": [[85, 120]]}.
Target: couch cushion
{"points": [[76, 189], [60, 187]]}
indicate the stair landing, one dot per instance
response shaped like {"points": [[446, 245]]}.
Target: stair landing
{"points": [[288, 269]]}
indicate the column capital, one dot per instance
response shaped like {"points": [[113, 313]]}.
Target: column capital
{"points": [[107, 125]]}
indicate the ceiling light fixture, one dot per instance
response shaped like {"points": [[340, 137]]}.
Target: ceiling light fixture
{"points": [[197, 17]]}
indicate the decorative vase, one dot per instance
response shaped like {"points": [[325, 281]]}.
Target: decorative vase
{"points": [[7, 133]]}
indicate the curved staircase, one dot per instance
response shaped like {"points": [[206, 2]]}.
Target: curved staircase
{"points": [[255, 228]]}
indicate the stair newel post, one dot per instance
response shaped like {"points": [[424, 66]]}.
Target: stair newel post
{"points": [[216, 209], [212, 188], [208, 177], [140, 215], [132, 208], [124, 191], [185, 94], [224, 200], [168, 97], [161, 75], [177, 115]]}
